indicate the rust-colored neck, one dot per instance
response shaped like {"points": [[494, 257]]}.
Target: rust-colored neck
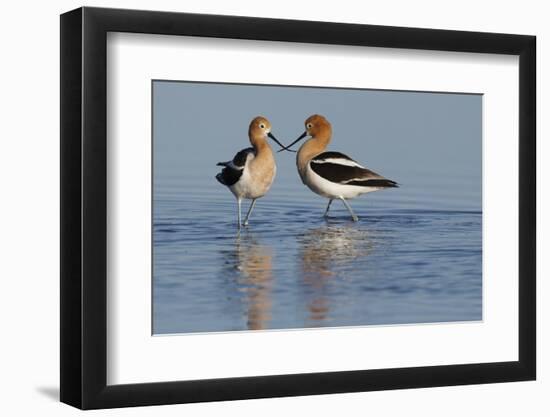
{"points": [[259, 143], [313, 146]]}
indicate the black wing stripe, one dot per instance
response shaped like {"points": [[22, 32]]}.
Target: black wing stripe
{"points": [[383, 183], [342, 173], [229, 176], [233, 169], [240, 158], [331, 155]]}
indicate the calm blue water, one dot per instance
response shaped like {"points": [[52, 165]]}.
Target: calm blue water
{"points": [[293, 269], [414, 257]]}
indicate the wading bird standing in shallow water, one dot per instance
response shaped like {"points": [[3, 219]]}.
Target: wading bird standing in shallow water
{"points": [[332, 174], [250, 174]]}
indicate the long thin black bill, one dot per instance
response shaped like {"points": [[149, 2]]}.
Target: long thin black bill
{"points": [[287, 148], [277, 142]]}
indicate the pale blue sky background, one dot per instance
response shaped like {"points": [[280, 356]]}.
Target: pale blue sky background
{"points": [[428, 142]]}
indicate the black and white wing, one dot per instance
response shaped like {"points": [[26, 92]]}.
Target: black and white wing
{"points": [[232, 171], [341, 169]]}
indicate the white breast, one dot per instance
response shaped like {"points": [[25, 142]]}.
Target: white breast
{"points": [[249, 187]]}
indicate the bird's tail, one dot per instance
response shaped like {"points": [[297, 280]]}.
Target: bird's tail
{"points": [[220, 179], [388, 183], [374, 182], [219, 175]]}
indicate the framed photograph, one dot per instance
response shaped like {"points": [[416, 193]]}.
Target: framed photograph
{"points": [[256, 208]]}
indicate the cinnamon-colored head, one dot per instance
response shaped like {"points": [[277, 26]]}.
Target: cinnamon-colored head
{"points": [[258, 132], [320, 131], [318, 127], [259, 129]]}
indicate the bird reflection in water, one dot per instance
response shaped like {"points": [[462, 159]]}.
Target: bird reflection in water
{"points": [[254, 263], [325, 254]]}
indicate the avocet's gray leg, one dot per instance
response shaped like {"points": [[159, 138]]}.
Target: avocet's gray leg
{"points": [[328, 207], [353, 216], [249, 211], [239, 212]]}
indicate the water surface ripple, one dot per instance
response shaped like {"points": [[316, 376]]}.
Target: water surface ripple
{"points": [[291, 268]]}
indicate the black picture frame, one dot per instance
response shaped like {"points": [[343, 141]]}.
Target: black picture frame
{"points": [[84, 207]]}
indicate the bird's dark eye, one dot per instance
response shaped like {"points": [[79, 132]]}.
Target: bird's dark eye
{"points": [[309, 126], [262, 126]]}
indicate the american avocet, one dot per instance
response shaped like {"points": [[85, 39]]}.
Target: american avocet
{"points": [[250, 174], [332, 174]]}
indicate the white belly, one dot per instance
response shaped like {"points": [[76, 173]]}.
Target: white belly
{"points": [[329, 189], [251, 188]]}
